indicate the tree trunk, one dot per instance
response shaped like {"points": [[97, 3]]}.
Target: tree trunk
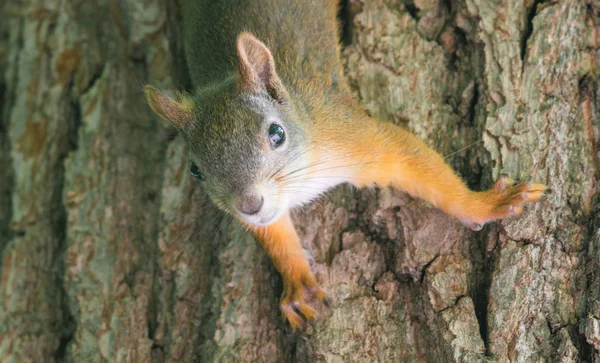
{"points": [[110, 251]]}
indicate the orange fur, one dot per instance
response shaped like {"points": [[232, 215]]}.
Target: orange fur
{"points": [[346, 144], [298, 66], [281, 243], [379, 153]]}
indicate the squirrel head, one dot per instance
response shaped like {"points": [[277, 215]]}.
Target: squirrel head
{"points": [[245, 137]]}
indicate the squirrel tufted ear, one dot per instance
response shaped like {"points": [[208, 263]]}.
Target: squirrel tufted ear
{"points": [[179, 112], [257, 68]]}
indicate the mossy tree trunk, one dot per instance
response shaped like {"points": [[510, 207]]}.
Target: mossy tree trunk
{"points": [[111, 252]]}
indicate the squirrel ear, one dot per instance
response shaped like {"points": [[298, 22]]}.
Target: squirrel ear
{"points": [[177, 112], [257, 68]]}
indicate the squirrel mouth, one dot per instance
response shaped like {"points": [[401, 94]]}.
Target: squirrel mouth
{"points": [[261, 220], [268, 220]]}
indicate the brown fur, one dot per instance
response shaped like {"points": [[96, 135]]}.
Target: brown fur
{"points": [[296, 78]]}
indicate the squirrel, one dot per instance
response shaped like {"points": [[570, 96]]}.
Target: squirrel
{"points": [[271, 125]]}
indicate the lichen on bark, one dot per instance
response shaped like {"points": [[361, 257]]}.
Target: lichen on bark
{"points": [[111, 252]]}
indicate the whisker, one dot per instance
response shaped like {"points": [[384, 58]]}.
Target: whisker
{"points": [[326, 169], [282, 162], [310, 165], [463, 149], [329, 159]]}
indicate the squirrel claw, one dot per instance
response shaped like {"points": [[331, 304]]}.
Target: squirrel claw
{"points": [[508, 197], [297, 313], [512, 197], [294, 304], [294, 319]]}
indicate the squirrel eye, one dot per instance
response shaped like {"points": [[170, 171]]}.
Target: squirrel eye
{"points": [[276, 135], [196, 173]]}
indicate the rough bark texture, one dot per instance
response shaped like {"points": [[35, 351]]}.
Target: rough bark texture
{"points": [[111, 252]]}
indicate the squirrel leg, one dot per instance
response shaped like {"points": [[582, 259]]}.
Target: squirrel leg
{"points": [[389, 155], [282, 244], [505, 199]]}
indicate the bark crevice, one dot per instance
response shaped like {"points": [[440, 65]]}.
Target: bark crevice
{"points": [[100, 260], [481, 279], [68, 320]]}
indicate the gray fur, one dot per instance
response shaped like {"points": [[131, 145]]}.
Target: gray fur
{"points": [[232, 148]]}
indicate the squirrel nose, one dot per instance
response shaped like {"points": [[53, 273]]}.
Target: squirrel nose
{"points": [[250, 204]]}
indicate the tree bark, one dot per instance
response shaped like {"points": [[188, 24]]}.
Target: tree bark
{"points": [[111, 252]]}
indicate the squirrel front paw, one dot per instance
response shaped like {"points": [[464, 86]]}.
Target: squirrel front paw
{"points": [[298, 293], [505, 199]]}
